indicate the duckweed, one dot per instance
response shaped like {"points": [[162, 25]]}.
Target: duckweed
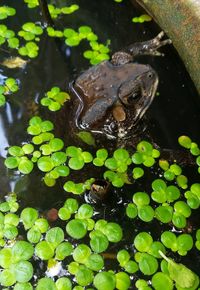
{"points": [[30, 49], [9, 86], [32, 3], [9, 36], [51, 244], [99, 51], [30, 31], [168, 203], [54, 99], [142, 18], [55, 12], [6, 11]]}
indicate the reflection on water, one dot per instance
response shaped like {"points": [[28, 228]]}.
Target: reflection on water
{"points": [[3, 138]]}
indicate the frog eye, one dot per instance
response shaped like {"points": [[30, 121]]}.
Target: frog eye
{"points": [[130, 100]]}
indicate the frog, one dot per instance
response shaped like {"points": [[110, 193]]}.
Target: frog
{"points": [[114, 95]]}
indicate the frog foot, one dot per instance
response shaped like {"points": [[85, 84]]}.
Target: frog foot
{"points": [[153, 45]]}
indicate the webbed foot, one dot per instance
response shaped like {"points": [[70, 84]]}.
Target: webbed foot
{"points": [[153, 45], [149, 47]]}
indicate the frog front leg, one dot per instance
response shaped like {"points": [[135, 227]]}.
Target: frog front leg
{"points": [[149, 47]]}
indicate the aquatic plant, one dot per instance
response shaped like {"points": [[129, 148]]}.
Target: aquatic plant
{"points": [[9, 36], [167, 203], [142, 18], [9, 86], [55, 11], [30, 37], [30, 31], [6, 11], [54, 99], [98, 52], [32, 3]]}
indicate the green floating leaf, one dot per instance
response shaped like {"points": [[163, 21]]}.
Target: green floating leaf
{"points": [[32, 3], [142, 18], [162, 281], [54, 236], [148, 264], [25, 166], [143, 242], [54, 33], [22, 250], [94, 262], [29, 216], [179, 273], [123, 257], [46, 283], [44, 250], [137, 172], [113, 232], [7, 278], [131, 210], [70, 9], [63, 250], [30, 49], [6, 11], [81, 253], [11, 162], [63, 283], [99, 242], [76, 228], [45, 163], [123, 281], [185, 141], [23, 271], [105, 280]]}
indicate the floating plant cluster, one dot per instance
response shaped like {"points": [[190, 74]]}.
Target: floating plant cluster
{"points": [[54, 99], [26, 41], [6, 11], [80, 264], [170, 201], [9, 86], [53, 10], [48, 153], [142, 18]]}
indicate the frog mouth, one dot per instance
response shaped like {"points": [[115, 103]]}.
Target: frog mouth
{"points": [[141, 102]]}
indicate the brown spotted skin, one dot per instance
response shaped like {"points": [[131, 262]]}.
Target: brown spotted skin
{"points": [[113, 96], [105, 86]]}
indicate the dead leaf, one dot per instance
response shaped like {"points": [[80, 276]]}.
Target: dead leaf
{"points": [[14, 62]]}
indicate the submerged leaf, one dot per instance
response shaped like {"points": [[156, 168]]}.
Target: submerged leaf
{"points": [[87, 138]]}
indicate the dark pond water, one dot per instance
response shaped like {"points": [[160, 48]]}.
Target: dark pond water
{"points": [[175, 111]]}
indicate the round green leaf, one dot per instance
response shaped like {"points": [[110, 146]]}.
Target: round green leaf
{"points": [[105, 280], [23, 271], [44, 251], [76, 228]]}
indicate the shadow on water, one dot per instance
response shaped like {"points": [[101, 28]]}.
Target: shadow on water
{"points": [[175, 110]]}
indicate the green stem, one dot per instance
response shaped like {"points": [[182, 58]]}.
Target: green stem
{"points": [[164, 257]]}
